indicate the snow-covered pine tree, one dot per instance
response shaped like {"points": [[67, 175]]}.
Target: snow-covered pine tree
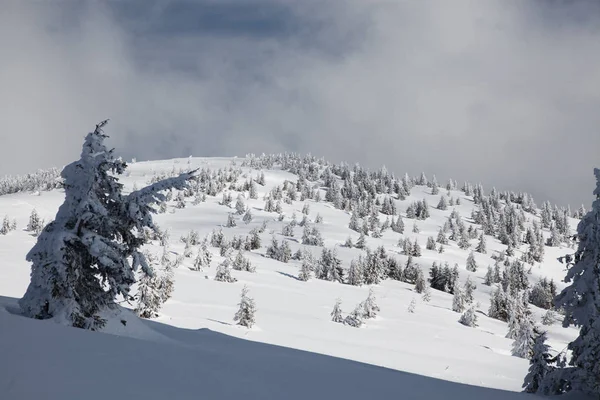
{"points": [[5, 228], [412, 306], [34, 222], [245, 315], [355, 318], [539, 364], [481, 246], [420, 284], [88, 255], [361, 242], [427, 294], [240, 206], [370, 306], [458, 300], [581, 301], [224, 272], [443, 203], [355, 273], [398, 226], [230, 221], [430, 243], [307, 267], [523, 344], [471, 263], [469, 318], [336, 314], [247, 218], [149, 297]]}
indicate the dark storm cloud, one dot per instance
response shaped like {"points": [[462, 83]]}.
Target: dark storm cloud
{"points": [[502, 92]]}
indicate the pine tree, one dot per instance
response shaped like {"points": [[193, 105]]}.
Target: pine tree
{"points": [[5, 228], [306, 268], [523, 345], [253, 190], [412, 306], [581, 299], [441, 238], [230, 221], [430, 243], [398, 226], [34, 222], [361, 242], [443, 204], [488, 280], [336, 314], [458, 300], [481, 246], [427, 294], [469, 290], [539, 364], [88, 255], [370, 306], [240, 207], [306, 209], [149, 297], [245, 316], [420, 282], [247, 218], [471, 263], [469, 318], [224, 272], [355, 273], [355, 318]]}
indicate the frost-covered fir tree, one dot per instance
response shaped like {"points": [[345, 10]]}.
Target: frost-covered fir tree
{"points": [[471, 263], [398, 225], [523, 344], [458, 300], [581, 301], [224, 272], [240, 206], [306, 268], [355, 273], [5, 228], [35, 222], [427, 294], [412, 306], [247, 218], [469, 318], [230, 221], [370, 305], [361, 242], [539, 364], [336, 314], [430, 243], [149, 296], [88, 255], [420, 284], [443, 203], [245, 315], [481, 246], [355, 318]]}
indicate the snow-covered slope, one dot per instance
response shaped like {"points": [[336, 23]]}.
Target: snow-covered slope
{"points": [[183, 353]]}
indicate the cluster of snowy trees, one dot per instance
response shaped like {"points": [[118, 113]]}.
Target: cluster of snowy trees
{"points": [[7, 225], [366, 309], [35, 224], [44, 179], [89, 254]]}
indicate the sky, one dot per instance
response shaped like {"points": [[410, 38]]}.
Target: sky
{"points": [[502, 92]]}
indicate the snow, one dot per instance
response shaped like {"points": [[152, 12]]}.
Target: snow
{"points": [[194, 349]]}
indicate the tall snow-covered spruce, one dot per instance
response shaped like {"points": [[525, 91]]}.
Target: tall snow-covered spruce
{"points": [[581, 303], [245, 314], [88, 255]]}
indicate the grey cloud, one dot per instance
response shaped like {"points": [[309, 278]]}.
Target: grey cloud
{"points": [[500, 92]]}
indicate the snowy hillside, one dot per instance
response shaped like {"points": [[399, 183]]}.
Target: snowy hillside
{"points": [[192, 349]]}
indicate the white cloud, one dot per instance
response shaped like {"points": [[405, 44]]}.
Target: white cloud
{"points": [[501, 92]]}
